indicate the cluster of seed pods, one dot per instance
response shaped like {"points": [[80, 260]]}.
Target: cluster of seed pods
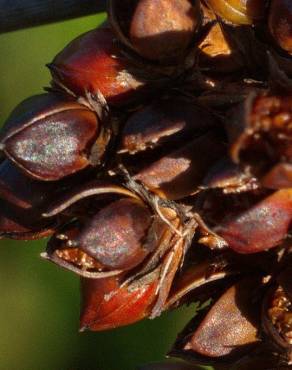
{"points": [[158, 163]]}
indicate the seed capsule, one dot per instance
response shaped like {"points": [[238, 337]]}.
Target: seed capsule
{"points": [[280, 23], [115, 238], [107, 237], [227, 331], [238, 11], [261, 227], [165, 122], [179, 173], [108, 304], [93, 63], [163, 37], [49, 137]]}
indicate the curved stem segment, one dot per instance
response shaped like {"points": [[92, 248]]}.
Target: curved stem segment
{"points": [[19, 14]]}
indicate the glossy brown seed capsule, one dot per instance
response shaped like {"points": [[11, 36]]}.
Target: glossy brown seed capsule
{"points": [[93, 63], [108, 237], [179, 173], [163, 243], [114, 238], [165, 121], [280, 23], [238, 11], [261, 227], [157, 30], [108, 304], [49, 137], [227, 331]]}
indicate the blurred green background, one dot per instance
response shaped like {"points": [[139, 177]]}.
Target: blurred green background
{"points": [[39, 302]]}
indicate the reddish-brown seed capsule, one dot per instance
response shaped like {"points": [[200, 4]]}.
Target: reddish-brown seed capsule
{"points": [[108, 304], [262, 226], [164, 122], [280, 23], [227, 331], [49, 137], [117, 237], [179, 173], [93, 63], [157, 30]]}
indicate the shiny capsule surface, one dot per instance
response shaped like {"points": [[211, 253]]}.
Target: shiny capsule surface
{"points": [[92, 63], [50, 137]]}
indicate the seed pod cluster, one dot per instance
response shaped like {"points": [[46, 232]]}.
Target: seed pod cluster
{"points": [[160, 163]]}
